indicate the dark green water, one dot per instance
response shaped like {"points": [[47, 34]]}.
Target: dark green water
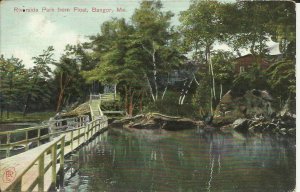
{"points": [[183, 161]]}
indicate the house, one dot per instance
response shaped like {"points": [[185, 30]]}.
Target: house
{"points": [[245, 62]]}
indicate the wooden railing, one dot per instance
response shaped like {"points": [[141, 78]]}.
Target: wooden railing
{"points": [[72, 122], [9, 144], [105, 97], [26, 171], [45, 156], [39, 133]]}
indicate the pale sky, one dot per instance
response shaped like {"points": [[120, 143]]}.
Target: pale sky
{"points": [[26, 34]]}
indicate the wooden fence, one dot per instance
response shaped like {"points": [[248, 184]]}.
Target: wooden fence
{"points": [[23, 138], [30, 171]]}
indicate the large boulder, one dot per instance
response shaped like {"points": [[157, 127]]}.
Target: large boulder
{"points": [[279, 125], [158, 121], [241, 125], [252, 103]]}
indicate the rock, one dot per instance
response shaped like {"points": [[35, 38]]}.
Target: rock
{"points": [[126, 121], [147, 125], [241, 125], [181, 124], [292, 131], [159, 121], [251, 103]]}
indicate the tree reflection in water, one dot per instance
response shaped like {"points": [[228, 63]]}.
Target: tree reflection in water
{"points": [[185, 161]]}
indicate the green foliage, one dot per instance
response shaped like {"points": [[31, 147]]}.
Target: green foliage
{"points": [[12, 75], [253, 78], [71, 86], [30, 117], [282, 79], [141, 53], [170, 106], [223, 71]]}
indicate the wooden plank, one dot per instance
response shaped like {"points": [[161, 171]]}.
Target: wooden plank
{"points": [[32, 175], [48, 181], [112, 112], [29, 174], [20, 163]]}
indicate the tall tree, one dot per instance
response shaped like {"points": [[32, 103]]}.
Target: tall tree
{"points": [[39, 75], [153, 33], [12, 75], [201, 28], [67, 74]]}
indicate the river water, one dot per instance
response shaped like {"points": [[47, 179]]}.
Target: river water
{"points": [[141, 160]]}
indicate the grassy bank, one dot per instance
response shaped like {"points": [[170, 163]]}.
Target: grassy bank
{"points": [[15, 117]]}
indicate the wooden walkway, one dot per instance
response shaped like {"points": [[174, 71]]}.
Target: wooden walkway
{"points": [[97, 100], [37, 169]]}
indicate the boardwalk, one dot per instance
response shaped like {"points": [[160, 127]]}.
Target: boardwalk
{"points": [[37, 169]]}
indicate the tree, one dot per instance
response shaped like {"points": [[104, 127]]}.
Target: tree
{"points": [[201, 28], [224, 72], [39, 75], [282, 26], [12, 75], [154, 35], [253, 78], [282, 79], [120, 62], [67, 74]]}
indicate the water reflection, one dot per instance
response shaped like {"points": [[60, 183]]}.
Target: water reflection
{"points": [[183, 161]]}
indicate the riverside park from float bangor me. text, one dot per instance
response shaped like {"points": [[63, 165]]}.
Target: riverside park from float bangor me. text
{"points": [[202, 99]]}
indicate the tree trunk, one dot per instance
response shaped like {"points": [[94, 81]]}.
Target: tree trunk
{"points": [[186, 92], [211, 71], [1, 112], [165, 90], [130, 108], [26, 104], [60, 98], [28, 98], [149, 86], [62, 90], [141, 101], [152, 53], [154, 73], [182, 92], [7, 111], [221, 91], [126, 100], [211, 102]]}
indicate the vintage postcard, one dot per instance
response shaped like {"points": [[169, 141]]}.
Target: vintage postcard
{"points": [[162, 95]]}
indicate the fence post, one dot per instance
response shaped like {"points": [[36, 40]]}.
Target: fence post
{"points": [[41, 173], [8, 143], [39, 135], [27, 146], [72, 140], [94, 127], [62, 154], [85, 133], [78, 136], [99, 121], [54, 158]]}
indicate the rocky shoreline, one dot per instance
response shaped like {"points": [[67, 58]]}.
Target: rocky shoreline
{"points": [[280, 125], [250, 112], [158, 121], [284, 125]]}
